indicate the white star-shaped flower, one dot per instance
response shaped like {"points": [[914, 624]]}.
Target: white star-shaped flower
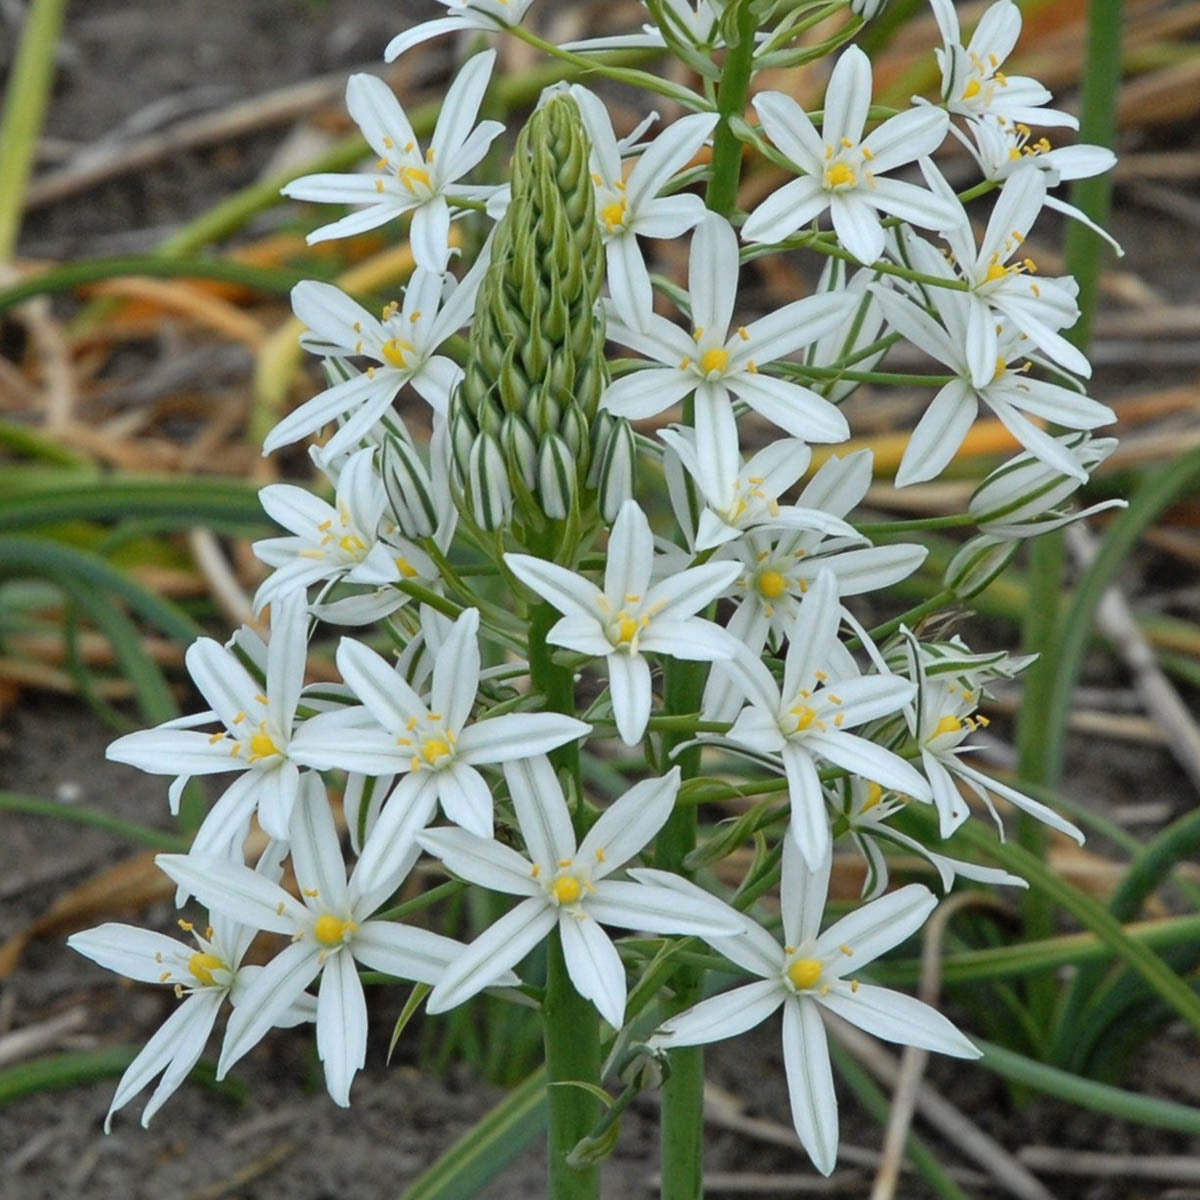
{"points": [[331, 931], [258, 720], [823, 697], [466, 16], [630, 617], [844, 171], [566, 884], [407, 181], [711, 362], [402, 348], [811, 971]]}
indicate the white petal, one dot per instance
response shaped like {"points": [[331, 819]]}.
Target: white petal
{"points": [[809, 828], [481, 860], [897, 1018], [857, 224], [938, 434], [497, 949], [784, 211], [188, 1041], [847, 98], [661, 910], [795, 409], [541, 810], [517, 735], [712, 276], [572, 595], [630, 691], [875, 928], [341, 1026], [461, 106], [723, 1016], [135, 953], [316, 846], [405, 951], [810, 1082], [803, 892], [235, 890], [376, 111], [788, 126], [628, 825], [594, 966]]}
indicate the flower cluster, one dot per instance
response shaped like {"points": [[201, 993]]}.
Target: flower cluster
{"points": [[512, 559]]}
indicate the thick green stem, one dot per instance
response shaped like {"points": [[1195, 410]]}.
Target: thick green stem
{"points": [[572, 1056], [571, 1028], [731, 102]]}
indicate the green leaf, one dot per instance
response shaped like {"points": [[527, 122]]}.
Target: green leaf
{"points": [[485, 1149], [77, 814], [415, 999]]}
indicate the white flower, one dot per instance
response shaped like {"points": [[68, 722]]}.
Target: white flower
{"points": [[1022, 498], [339, 541], [939, 721], [822, 697], [712, 363], [973, 84], [432, 745], [843, 171], [203, 975], [814, 970], [865, 809], [745, 494], [402, 346], [258, 722], [697, 23], [631, 207], [407, 180], [1009, 391], [465, 15], [630, 616], [567, 885], [1039, 307], [330, 931]]}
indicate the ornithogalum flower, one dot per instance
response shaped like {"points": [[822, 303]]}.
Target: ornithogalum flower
{"points": [[811, 971], [629, 616], [464, 16], [566, 884], [407, 180], [434, 744], [402, 348], [331, 931], [630, 206], [258, 720], [822, 698], [844, 171], [710, 362]]}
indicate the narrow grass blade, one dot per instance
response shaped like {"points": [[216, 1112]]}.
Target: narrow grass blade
{"points": [[77, 814]]}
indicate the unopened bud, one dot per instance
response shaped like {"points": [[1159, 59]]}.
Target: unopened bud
{"points": [[487, 484], [556, 477], [520, 449], [977, 563], [409, 489], [616, 475]]}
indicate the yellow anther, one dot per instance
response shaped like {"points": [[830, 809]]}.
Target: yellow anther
{"points": [[743, 333], [388, 144], [971, 90], [566, 889], [751, 367], [846, 143], [1001, 79], [828, 152], [411, 724], [805, 716], [405, 567], [627, 629], [331, 931], [1001, 369], [948, 724], [684, 363], [600, 856], [833, 699], [840, 175], [186, 926], [821, 676], [535, 871], [804, 972], [379, 186], [394, 350], [164, 977], [874, 795], [353, 544], [995, 271], [434, 750], [202, 967], [410, 176], [261, 746], [771, 584], [239, 718], [414, 316], [867, 153], [845, 950], [613, 215], [854, 987], [214, 738], [716, 359]]}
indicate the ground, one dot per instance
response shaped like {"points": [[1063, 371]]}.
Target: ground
{"points": [[123, 62]]}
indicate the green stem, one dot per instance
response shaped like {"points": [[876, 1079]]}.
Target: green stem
{"points": [[24, 110], [572, 1056], [731, 103], [81, 815]]}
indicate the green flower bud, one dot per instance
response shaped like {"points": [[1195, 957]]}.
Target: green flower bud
{"points": [[409, 489], [977, 563], [487, 483], [520, 449], [557, 477]]}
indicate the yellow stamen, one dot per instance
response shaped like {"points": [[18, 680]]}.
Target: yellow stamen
{"points": [[948, 724], [566, 889], [331, 931], [840, 175], [874, 795], [771, 584], [394, 350], [716, 359], [804, 972], [971, 90], [613, 215], [434, 750], [261, 746], [202, 967]]}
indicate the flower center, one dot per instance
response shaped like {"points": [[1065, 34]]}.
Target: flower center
{"points": [[395, 349], [202, 966], [771, 584], [566, 889], [415, 180], [331, 931], [261, 745], [972, 89], [613, 215], [840, 175], [804, 715], [434, 750], [716, 359], [803, 973], [874, 795]]}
